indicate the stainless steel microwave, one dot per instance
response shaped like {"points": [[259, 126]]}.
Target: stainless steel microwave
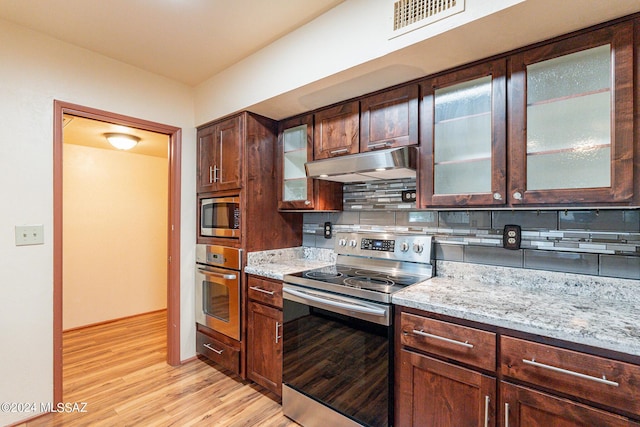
{"points": [[220, 217]]}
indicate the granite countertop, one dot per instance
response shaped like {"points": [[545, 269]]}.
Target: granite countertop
{"points": [[597, 311], [275, 264]]}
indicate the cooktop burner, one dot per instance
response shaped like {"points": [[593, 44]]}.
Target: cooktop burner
{"points": [[322, 275]]}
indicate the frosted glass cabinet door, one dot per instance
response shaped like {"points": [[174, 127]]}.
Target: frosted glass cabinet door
{"points": [[571, 127], [463, 137], [294, 150]]}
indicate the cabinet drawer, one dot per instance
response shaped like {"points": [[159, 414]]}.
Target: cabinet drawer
{"points": [[597, 379], [460, 343], [265, 291], [220, 353]]}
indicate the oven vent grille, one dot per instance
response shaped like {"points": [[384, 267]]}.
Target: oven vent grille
{"points": [[411, 14]]}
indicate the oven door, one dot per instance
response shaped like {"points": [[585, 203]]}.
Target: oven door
{"points": [[218, 299], [337, 359]]}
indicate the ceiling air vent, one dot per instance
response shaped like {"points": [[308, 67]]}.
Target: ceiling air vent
{"points": [[409, 15]]}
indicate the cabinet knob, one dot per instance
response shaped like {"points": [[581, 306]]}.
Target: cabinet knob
{"points": [[497, 196], [517, 195], [307, 202]]}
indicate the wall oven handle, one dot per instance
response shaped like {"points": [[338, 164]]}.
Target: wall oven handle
{"points": [[344, 305], [220, 275]]}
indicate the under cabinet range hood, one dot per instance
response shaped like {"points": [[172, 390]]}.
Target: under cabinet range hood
{"points": [[392, 163]]}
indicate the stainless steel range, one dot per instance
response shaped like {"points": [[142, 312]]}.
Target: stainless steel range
{"points": [[338, 331]]}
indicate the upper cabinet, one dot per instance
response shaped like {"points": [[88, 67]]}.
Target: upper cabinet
{"points": [[296, 191], [389, 119], [220, 155], [463, 152], [571, 120], [336, 131]]}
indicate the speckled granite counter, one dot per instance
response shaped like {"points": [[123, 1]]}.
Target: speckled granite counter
{"points": [[276, 263], [591, 310]]}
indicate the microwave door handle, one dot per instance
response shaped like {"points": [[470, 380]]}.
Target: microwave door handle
{"points": [[219, 275], [332, 303]]}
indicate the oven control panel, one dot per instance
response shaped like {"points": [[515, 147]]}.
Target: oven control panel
{"points": [[400, 247], [378, 245]]}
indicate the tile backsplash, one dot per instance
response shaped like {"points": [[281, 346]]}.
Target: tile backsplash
{"points": [[590, 241]]}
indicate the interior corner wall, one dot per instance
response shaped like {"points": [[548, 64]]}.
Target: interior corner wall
{"points": [[115, 235], [35, 71]]}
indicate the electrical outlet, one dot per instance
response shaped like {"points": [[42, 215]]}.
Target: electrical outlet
{"points": [[29, 235], [511, 237], [327, 230], [408, 195]]}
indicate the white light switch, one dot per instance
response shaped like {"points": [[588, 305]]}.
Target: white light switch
{"points": [[29, 235]]}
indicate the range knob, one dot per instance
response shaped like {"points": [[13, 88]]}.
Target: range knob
{"points": [[404, 247], [418, 248], [342, 242], [353, 243]]}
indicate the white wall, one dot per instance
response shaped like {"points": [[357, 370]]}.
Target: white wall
{"points": [[115, 234], [348, 52], [34, 71]]}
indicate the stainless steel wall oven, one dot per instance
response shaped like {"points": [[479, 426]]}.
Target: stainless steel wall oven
{"points": [[217, 294], [338, 330]]}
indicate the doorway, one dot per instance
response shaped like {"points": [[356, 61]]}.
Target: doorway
{"points": [[173, 226]]}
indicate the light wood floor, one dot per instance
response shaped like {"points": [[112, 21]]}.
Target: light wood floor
{"points": [[119, 369]]}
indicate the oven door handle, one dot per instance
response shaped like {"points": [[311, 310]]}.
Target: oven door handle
{"points": [[352, 307], [219, 275]]}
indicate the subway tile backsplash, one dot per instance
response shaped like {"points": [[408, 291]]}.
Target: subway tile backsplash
{"points": [[594, 242]]}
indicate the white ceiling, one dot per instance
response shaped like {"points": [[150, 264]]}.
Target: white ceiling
{"points": [[185, 40]]}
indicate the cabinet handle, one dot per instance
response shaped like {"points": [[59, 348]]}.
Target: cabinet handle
{"points": [[497, 196], [602, 380], [278, 324], [264, 291], [437, 337], [486, 411], [210, 174], [517, 195], [215, 173], [213, 349], [506, 415], [380, 145], [338, 151], [307, 202]]}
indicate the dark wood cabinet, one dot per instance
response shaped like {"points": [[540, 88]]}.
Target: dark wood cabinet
{"points": [[256, 185], [337, 131], [264, 333], [218, 348], [571, 120], [436, 393], [433, 391], [389, 119], [220, 155], [296, 192], [524, 407], [449, 374], [463, 131]]}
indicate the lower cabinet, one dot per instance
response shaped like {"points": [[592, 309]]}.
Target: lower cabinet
{"points": [[436, 393], [264, 334], [220, 349], [450, 375], [524, 407]]}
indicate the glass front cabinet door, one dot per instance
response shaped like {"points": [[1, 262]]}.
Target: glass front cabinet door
{"points": [[297, 192], [571, 120], [463, 157]]}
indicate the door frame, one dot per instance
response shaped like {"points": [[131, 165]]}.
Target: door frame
{"points": [[173, 227]]}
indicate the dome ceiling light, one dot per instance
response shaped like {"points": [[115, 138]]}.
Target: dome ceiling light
{"points": [[122, 141]]}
